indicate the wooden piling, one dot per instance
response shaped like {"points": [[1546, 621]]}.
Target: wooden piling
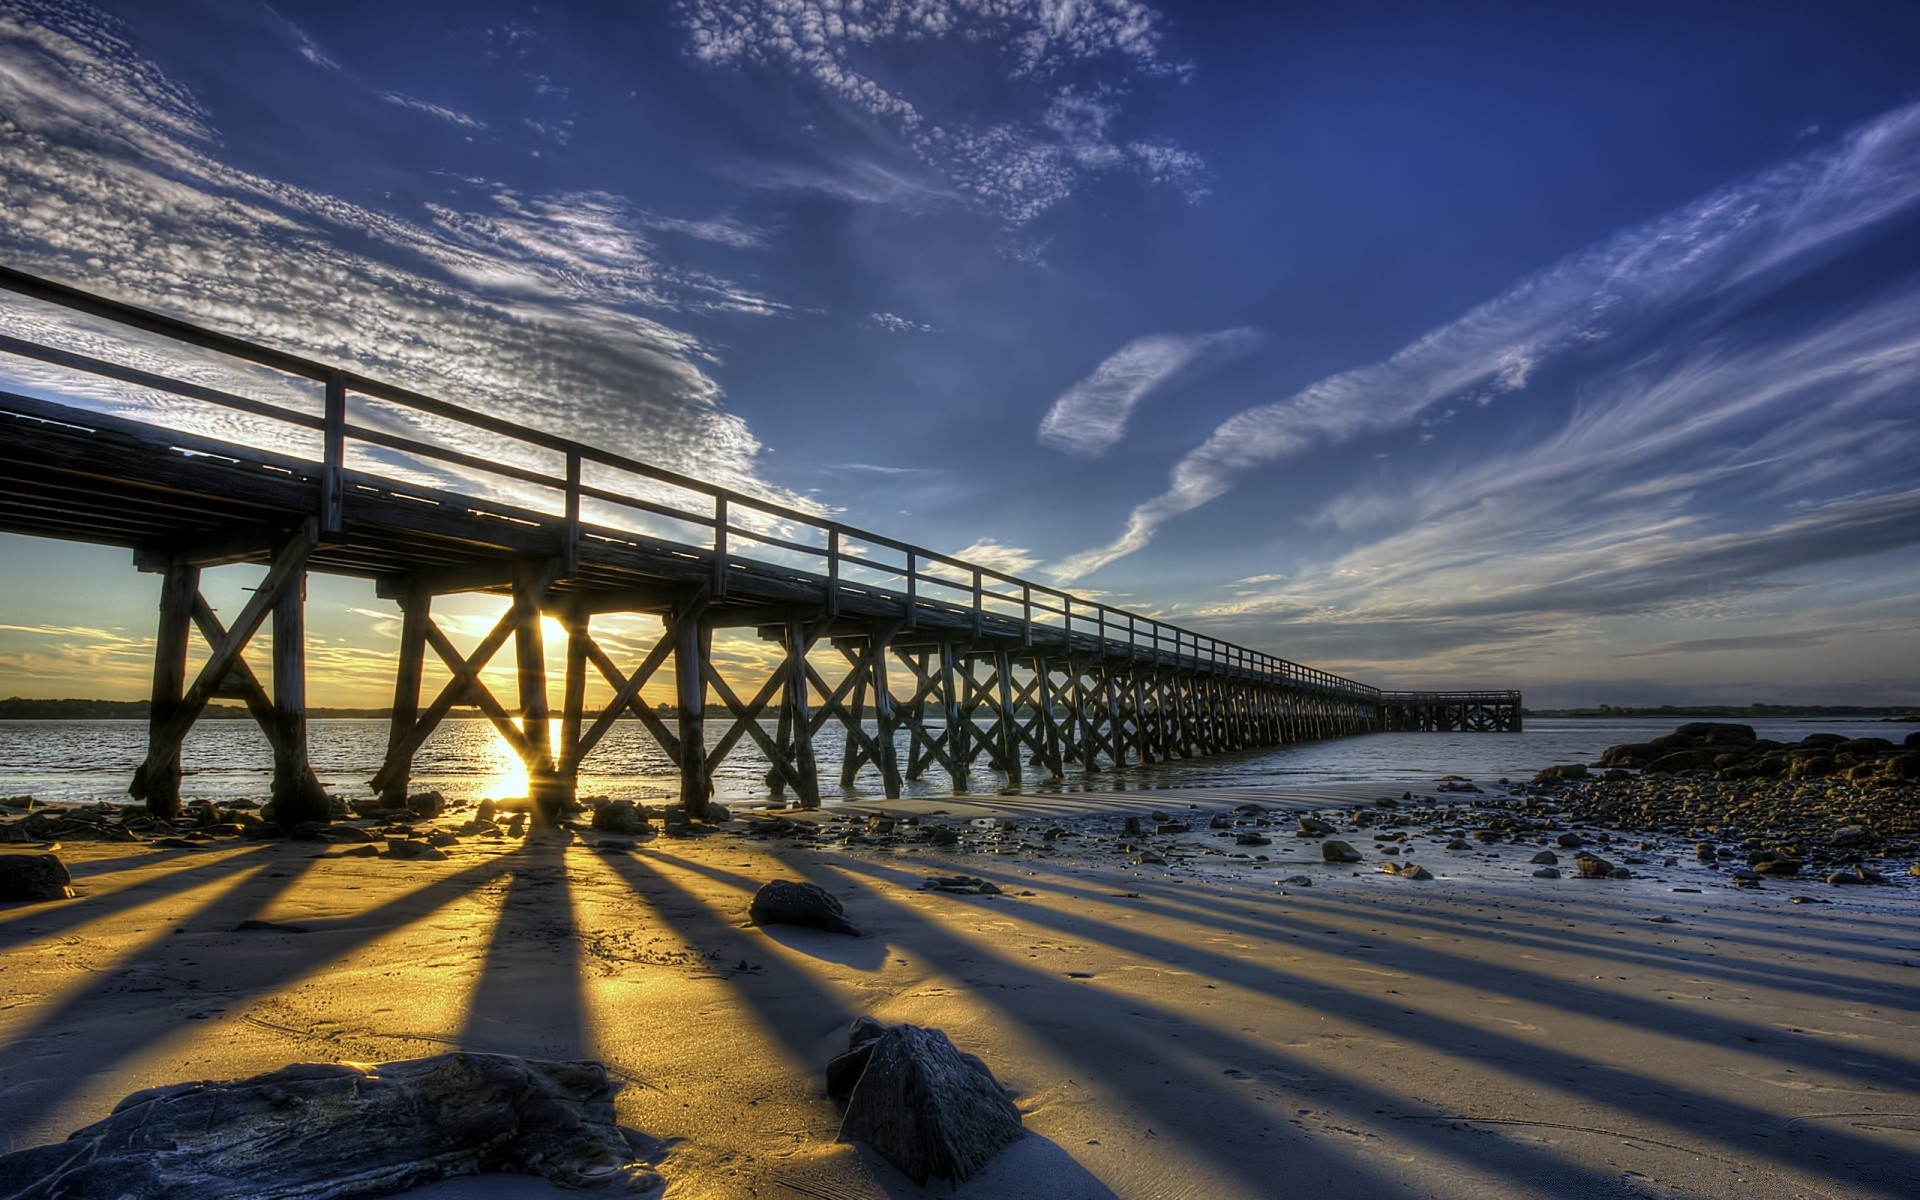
{"points": [[546, 793], [415, 612], [690, 696], [295, 800], [179, 587]]}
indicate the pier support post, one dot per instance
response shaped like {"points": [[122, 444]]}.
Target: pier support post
{"points": [[179, 586], [797, 709], [1009, 723], [415, 612], [690, 697], [884, 720], [545, 791], [958, 722], [295, 797], [573, 700]]}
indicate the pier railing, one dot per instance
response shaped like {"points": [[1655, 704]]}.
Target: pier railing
{"points": [[363, 427]]}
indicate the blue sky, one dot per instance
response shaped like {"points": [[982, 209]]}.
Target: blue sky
{"points": [[1566, 347]]}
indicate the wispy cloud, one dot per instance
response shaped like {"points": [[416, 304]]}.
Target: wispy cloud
{"points": [[537, 308], [1774, 640], [311, 50], [1017, 167], [1091, 417], [895, 323], [1517, 554], [1753, 232], [1010, 560]]}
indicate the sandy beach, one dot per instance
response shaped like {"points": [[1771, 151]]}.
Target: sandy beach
{"points": [[1201, 1028]]}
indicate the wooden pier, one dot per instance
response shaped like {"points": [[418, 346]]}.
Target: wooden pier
{"points": [[1448, 712], [926, 663]]}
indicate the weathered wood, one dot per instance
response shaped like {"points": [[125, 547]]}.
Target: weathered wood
{"points": [[295, 798], [164, 738], [806, 770], [1008, 724], [463, 686], [885, 720], [626, 696], [179, 588], [545, 790], [573, 696], [959, 729], [242, 679], [690, 647], [415, 613]]}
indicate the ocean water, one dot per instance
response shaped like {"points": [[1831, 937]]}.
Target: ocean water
{"points": [[86, 761]]}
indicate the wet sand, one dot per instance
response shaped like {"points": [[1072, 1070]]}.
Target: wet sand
{"points": [[1198, 1029]]}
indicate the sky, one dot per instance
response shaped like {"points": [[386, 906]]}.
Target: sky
{"points": [[1573, 347]]}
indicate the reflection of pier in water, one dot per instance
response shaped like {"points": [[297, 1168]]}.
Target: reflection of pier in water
{"points": [[952, 664]]}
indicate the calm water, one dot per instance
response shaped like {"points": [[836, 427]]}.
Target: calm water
{"points": [[93, 760]]}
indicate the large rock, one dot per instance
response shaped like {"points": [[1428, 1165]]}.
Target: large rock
{"points": [[1718, 732], [1632, 754], [1339, 852], [1675, 761], [784, 902], [338, 1132], [1592, 866], [620, 816], [1563, 771], [33, 876], [920, 1103]]}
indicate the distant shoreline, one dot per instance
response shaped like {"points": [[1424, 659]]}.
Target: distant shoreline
{"points": [[1887, 712]]}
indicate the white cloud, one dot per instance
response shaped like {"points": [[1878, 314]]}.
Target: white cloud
{"points": [[1017, 168], [1513, 555], [527, 307], [1787, 218], [432, 110], [311, 50], [895, 323], [1091, 417], [1008, 560]]}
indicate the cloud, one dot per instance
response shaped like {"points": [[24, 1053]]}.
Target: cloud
{"points": [[876, 469], [311, 50], [532, 308], [433, 110], [1008, 560], [1785, 639], [1091, 417], [1738, 239], [1018, 168], [1518, 557], [895, 323]]}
